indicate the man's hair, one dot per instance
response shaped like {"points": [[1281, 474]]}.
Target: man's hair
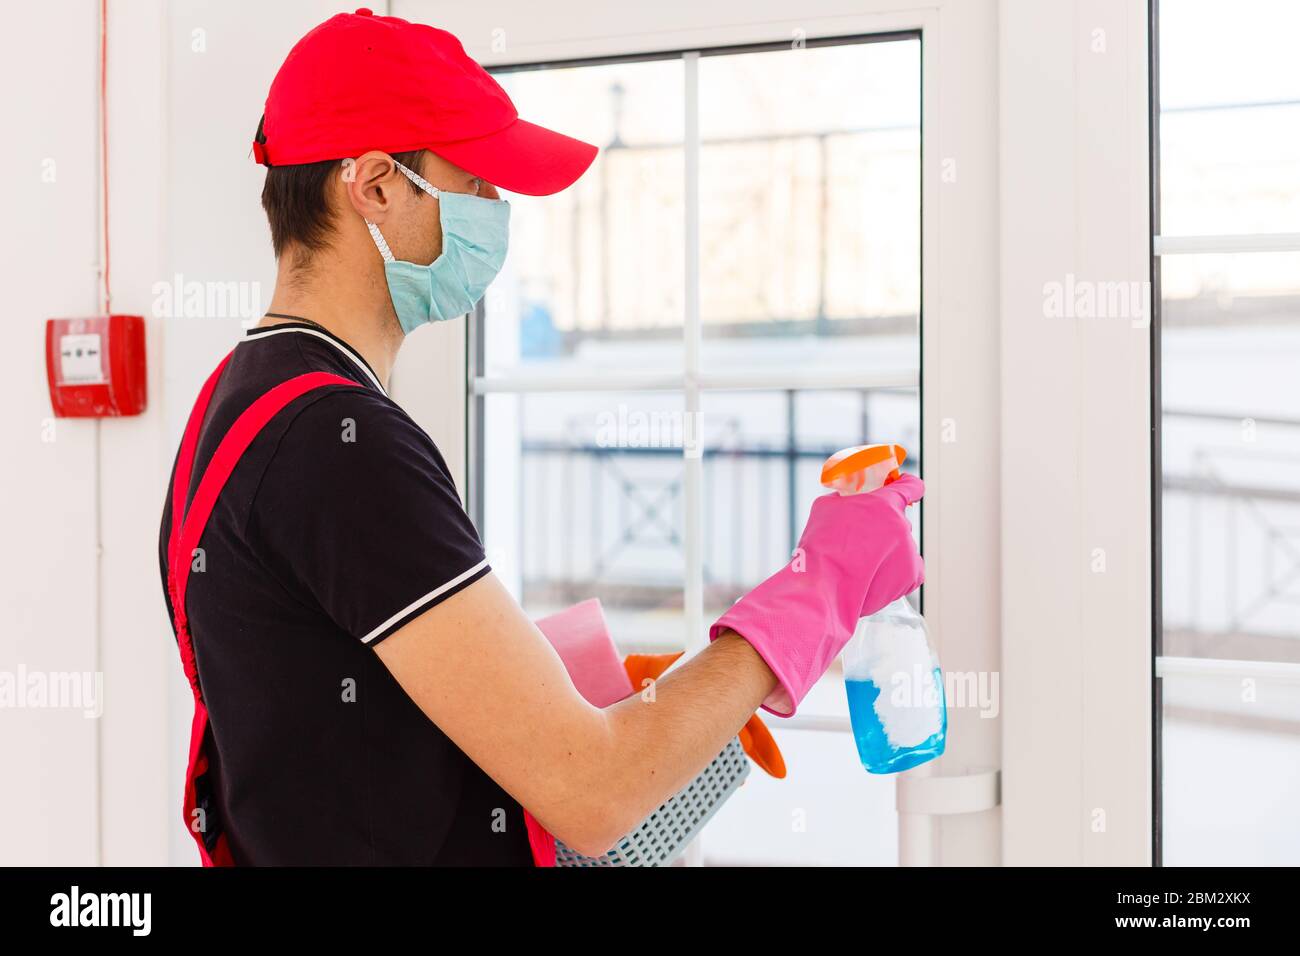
{"points": [[297, 205]]}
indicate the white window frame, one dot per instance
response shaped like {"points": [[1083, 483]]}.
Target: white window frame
{"points": [[960, 331], [1077, 558]]}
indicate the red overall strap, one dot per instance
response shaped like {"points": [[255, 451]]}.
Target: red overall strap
{"points": [[186, 532], [540, 841]]}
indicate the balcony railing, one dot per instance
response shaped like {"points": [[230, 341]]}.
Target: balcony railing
{"points": [[1232, 540], [605, 521]]}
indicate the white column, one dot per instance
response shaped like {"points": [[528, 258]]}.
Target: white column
{"points": [[1076, 532]]}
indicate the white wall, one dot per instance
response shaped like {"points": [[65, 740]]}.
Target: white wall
{"points": [[186, 83], [48, 252]]}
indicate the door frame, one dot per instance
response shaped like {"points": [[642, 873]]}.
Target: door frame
{"points": [[962, 408], [1077, 555]]}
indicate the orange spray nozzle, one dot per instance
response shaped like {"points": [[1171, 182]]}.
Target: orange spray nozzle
{"points": [[862, 468]]}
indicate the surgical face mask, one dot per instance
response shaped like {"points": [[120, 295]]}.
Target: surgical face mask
{"points": [[475, 233]]}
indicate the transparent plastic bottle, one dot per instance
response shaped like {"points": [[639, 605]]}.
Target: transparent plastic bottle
{"points": [[895, 691], [891, 674]]}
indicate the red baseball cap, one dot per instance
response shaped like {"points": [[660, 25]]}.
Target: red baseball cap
{"points": [[359, 82]]}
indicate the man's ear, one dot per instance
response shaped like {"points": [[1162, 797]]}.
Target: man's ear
{"points": [[370, 182]]}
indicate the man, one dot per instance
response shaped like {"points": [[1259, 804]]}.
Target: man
{"points": [[367, 692]]}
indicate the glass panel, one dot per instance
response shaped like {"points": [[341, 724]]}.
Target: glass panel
{"points": [[1231, 456], [810, 218], [810, 207], [827, 812], [762, 466], [1212, 53], [1230, 117], [1230, 748], [1229, 131], [595, 273], [583, 499], [1230, 170]]}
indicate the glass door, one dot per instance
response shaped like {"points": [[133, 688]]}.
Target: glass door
{"points": [[1226, 209], [732, 293]]}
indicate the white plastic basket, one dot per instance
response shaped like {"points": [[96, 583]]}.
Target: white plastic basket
{"points": [[664, 834]]}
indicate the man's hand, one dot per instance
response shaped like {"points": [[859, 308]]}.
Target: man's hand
{"points": [[855, 556]]}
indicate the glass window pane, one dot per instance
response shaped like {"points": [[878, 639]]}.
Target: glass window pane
{"points": [[1230, 170], [583, 499], [595, 273], [763, 452], [1230, 338], [810, 258], [1229, 128], [810, 206], [1229, 782], [827, 812], [762, 465], [1213, 53], [1229, 117]]}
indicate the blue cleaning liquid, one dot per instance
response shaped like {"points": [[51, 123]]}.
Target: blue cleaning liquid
{"points": [[877, 753]]}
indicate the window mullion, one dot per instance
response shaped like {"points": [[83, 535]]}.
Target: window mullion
{"points": [[1222, 244], [692, 451]]}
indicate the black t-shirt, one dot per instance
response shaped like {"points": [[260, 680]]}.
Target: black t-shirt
{"points": [[339, 525]]}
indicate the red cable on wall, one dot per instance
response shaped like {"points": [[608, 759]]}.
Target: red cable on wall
{"points": [[103, 142]]}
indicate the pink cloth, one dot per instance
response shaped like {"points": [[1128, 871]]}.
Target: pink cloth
{"points": [[581, 637], [856, 555]]}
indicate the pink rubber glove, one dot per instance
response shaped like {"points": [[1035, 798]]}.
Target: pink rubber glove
{"points": [[855, 556]]}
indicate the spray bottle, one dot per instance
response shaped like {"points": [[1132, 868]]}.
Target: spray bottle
{"points": [[891, 673]]}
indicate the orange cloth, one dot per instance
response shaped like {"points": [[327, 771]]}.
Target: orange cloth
{"points": [[761, 747], [754, 736], [643, 667]]}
